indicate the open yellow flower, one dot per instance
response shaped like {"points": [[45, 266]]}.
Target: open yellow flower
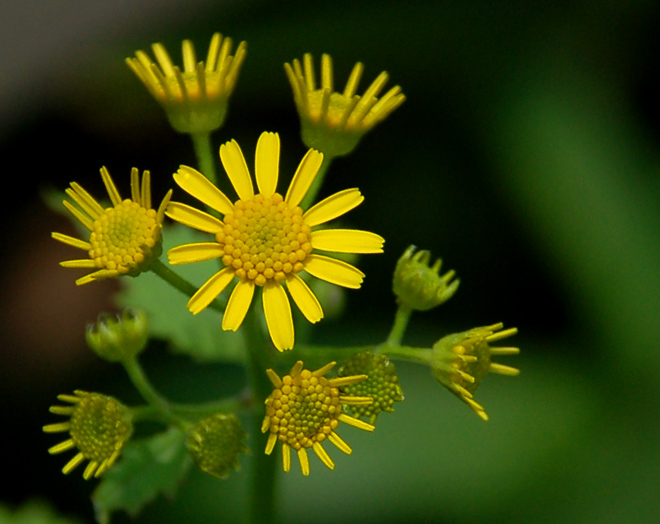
{"points": [[304, 410], [266, 240], [124, 238], [99, 427]]}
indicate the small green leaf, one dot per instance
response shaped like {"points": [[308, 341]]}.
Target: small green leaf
{"points": [[199, 336], [147, 468]]}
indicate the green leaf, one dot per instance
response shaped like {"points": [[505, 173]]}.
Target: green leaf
{"points": [[147, 468], [33, 512], [199, 336]]}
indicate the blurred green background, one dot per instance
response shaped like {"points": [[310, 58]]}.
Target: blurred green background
{"points": [[526, 156]]}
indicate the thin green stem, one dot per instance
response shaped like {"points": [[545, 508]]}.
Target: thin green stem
{"points": [[205, 156], [180, 283], [399, 327], [149, 393], [264, 473], [188, 411], [313, 190]]}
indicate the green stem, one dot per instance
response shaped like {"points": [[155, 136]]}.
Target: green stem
{"points": [[205, 156], [180, 283], [313, 190], [399, 327], [264, 473], [188, 411], [408, 353], [148, 392]]}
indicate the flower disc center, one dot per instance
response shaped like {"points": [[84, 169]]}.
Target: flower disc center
{"points": [[264, 239], [123, 236], [304, 410]]}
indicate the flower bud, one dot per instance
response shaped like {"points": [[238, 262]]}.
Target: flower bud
{"points": [[215, 443], [382, 384], [118, 337], [419, 286], [462, 360]]}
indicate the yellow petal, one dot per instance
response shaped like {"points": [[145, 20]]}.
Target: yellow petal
{"points": [[333, 206], [278, 316], [267, 162], [211, 289], [193, 217], [196, 184], [305, 175], [304, 298], [347, 241], [323, 455], [334, 271], [74, 242], [234, 162], [198, 252], [110, 187], [304, 461], [85, 263], [238, 305]]}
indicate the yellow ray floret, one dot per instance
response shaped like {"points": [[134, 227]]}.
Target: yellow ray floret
{"points": [[124, 238], [265, 240], [304, 410]]}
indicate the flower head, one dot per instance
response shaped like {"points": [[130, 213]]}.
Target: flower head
{"points": [[215, 443], [99, 428], [196, 98], [124, 238], [304, 409], [334, 122], [118, 337], [382, 384], [420, 286], [265, 240], [461, 361]]}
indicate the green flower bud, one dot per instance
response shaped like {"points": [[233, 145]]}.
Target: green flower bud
{"points": [[99, 427], [382, 384], [118, 337], [462, 360], [419, 286], [215, 443]]}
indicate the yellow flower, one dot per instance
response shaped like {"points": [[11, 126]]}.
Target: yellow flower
{"points": [[99, 428], [462, 360], [266, 240], [125, 238], [196, 98], [334, 122], [304, 409]]}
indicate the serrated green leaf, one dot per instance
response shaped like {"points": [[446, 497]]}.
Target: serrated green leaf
{"points": [[199, 336], [146, 469]]}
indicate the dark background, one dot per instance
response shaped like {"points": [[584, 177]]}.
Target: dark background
{"points": [[526, 156]]}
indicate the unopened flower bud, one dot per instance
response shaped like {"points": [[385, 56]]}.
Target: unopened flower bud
{"points": [[382, 384], [215, 444], [462, 360], [420, 286], [118, 337]]}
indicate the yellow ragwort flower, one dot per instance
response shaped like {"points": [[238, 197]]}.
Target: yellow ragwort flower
{"points": [[304, 409], [99, 427], [334, 122], [196, 98], [125, 238], [266, 240], [462, 360]]}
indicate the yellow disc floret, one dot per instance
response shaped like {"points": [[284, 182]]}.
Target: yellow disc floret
{"points": [[99, 428], [124, 236], [305, 409], [265, 239]]}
